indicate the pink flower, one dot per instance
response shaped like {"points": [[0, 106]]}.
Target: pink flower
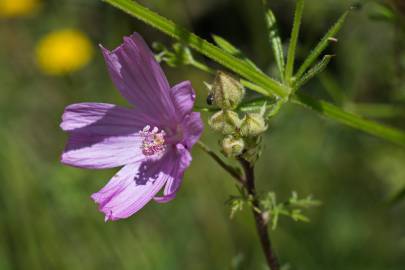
{"points": [[152, 140]]}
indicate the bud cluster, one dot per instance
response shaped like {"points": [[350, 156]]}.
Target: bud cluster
{"points": [[242, 134]]}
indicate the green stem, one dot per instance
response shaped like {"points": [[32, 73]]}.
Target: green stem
{"points": [[263, 82], [260, 219], [204, 47], [333, 112], [230, 169]]}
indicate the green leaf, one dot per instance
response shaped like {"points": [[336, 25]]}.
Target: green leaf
{"points": [[225, 45], [274, 109], [289, 70], [296, 215], [352, 120], [275, 41], [321, 46], [228, 47], [218, 55], [315, 70], [376, 110]]}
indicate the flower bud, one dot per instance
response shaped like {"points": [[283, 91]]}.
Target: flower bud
{"points": [[232, 147], [253, 149], [253, 124], [227, 91], [226, 122]]}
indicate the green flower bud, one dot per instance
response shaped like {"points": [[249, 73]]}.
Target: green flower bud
{"points": [[226, 122], [253, 149], [253, 124], [232, 147], [227, 91]]}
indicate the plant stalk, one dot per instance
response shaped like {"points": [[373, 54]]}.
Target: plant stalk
{"points": [[231, 170], [260, 220]]}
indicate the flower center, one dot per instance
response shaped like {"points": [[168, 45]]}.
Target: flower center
{"points": [[153, 141]]}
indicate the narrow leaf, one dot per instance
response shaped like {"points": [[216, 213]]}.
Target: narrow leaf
{"points": [[228, 47], [321, 45], [289, 70], [377, 110], [315, 70], [352, 120], [225, 45], [275, 42], [218, 55]]}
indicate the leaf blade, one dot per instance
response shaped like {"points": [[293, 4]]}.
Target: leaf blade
{"points": [[314, 71], [275, 42], [321, 46], [349, 119], [289, 69], [230, 48]]}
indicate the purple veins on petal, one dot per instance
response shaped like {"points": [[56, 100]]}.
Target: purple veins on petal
{"points": [[151, 142]]}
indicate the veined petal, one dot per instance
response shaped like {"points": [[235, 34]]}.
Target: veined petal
{"points": [[101, 135], [133, 187], [103, 116], [183, 160], [183, 97], [139, 78], [193, 127]]}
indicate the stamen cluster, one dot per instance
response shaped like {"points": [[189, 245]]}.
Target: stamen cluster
{"points": [[153, 141]]}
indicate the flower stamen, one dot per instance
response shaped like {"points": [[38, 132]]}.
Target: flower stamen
{"points": [[153, 141]]}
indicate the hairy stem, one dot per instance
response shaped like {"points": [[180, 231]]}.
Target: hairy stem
{"points": [[261, 222]]}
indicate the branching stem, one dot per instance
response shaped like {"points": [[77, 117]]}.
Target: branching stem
{"points": [[248, 182]]}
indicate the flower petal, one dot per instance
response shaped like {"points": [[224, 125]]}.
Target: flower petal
{"points": [[193, 128], [183, 97], [183, 160], [139, 78], [133, 187], [101, 135]]}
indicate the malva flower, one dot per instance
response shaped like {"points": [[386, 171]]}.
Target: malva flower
{"points": [[152, 140], [18, 8], [63, 51]]}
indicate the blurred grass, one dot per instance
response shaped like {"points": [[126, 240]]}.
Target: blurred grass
{"points": [[47, 220]]}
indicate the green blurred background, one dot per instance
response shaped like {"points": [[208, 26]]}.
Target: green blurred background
{"points": [[48, 221]]}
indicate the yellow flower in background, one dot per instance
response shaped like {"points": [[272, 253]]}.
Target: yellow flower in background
{"points": [[18, 8], [63, 51]]}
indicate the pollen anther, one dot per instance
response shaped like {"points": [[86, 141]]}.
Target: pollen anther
{"points": [[153, 141]]}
